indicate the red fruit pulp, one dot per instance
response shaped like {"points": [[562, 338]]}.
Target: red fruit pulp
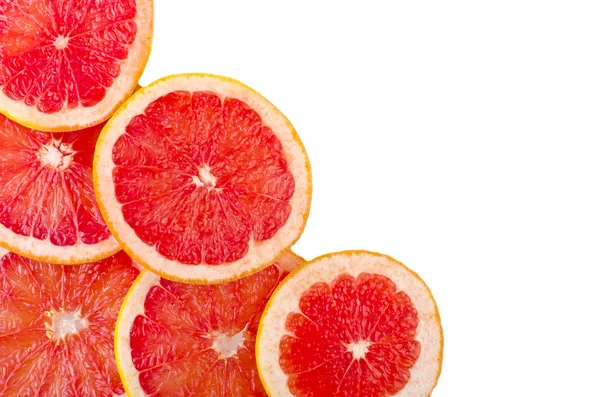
{"points": [[57, 325], [199, 176], [63, 53], [198, 340], [353, 337], [46, 181]]}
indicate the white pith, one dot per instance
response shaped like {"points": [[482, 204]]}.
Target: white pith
{"points": [[260, 253], [61, 42], [68, 119], [227, 346], [61, 324], [133, 305], [205, 178], [285, 300], [359, 349], [46, 251], [56, 155]]}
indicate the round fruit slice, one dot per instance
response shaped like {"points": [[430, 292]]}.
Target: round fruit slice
{"points": [[56, 326], [201, 179], [176, 339], [353, 323], [48, 210], [67, 65]]}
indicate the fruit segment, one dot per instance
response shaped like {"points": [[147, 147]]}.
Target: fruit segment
{"points": [[57, 324], [177, 339], [48, 210]]}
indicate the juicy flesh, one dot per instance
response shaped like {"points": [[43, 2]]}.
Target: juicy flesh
{"points": [[353, 337], [46, 181], [199, 176], [57, 324], [63, 53], [198, 340]]}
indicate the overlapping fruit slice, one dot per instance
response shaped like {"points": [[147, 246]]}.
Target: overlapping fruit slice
{"points": [[68, 64], [57, 324], [201, 179], [48, 210], [350, 324], [176, 339]]}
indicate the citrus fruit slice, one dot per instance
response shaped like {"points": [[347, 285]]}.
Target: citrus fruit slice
{"points": [[175, 339], [57, 324], [48, 210], [67, 65], [201, 179], [352, 323]]}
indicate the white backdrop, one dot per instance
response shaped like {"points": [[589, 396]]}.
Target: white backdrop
{"points": [[460, 137]]}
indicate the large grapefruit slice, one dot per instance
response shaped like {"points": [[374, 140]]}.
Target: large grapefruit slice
{"points": [[66, 65], [201, 179], [56, 326], [48, 210], [353, 323], [176, 339]]}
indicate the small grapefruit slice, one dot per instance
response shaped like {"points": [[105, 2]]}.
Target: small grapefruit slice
{"points": [[175, 339], [352, 323], [48, 210], [201, 179], [67, 65], [57, 324]]}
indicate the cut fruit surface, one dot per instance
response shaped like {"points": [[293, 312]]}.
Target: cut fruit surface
{"points": [[48, 210], [175, 339], [353, 323], [201, 179], [57, 324], [67, 65]]}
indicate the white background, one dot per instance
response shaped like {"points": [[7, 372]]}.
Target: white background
{"points": [[460, 137]]}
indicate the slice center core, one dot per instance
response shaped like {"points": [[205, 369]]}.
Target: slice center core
{"points": [[227, 346], [359, 349], [61, 42], [205, 178], [56, 155], [60, 324]]}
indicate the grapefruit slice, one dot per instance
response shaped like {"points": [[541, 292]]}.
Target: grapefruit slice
{"points": [[67, 65], [48, 210], [57, 324], [353, 323], [175, 339], [201, 179]]}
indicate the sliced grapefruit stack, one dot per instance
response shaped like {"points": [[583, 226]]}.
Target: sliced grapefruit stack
{"points": [[48, 210], [352, 323], [206, 184], [67, 65], [201, 179], [57, 324], [176, 339]]}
